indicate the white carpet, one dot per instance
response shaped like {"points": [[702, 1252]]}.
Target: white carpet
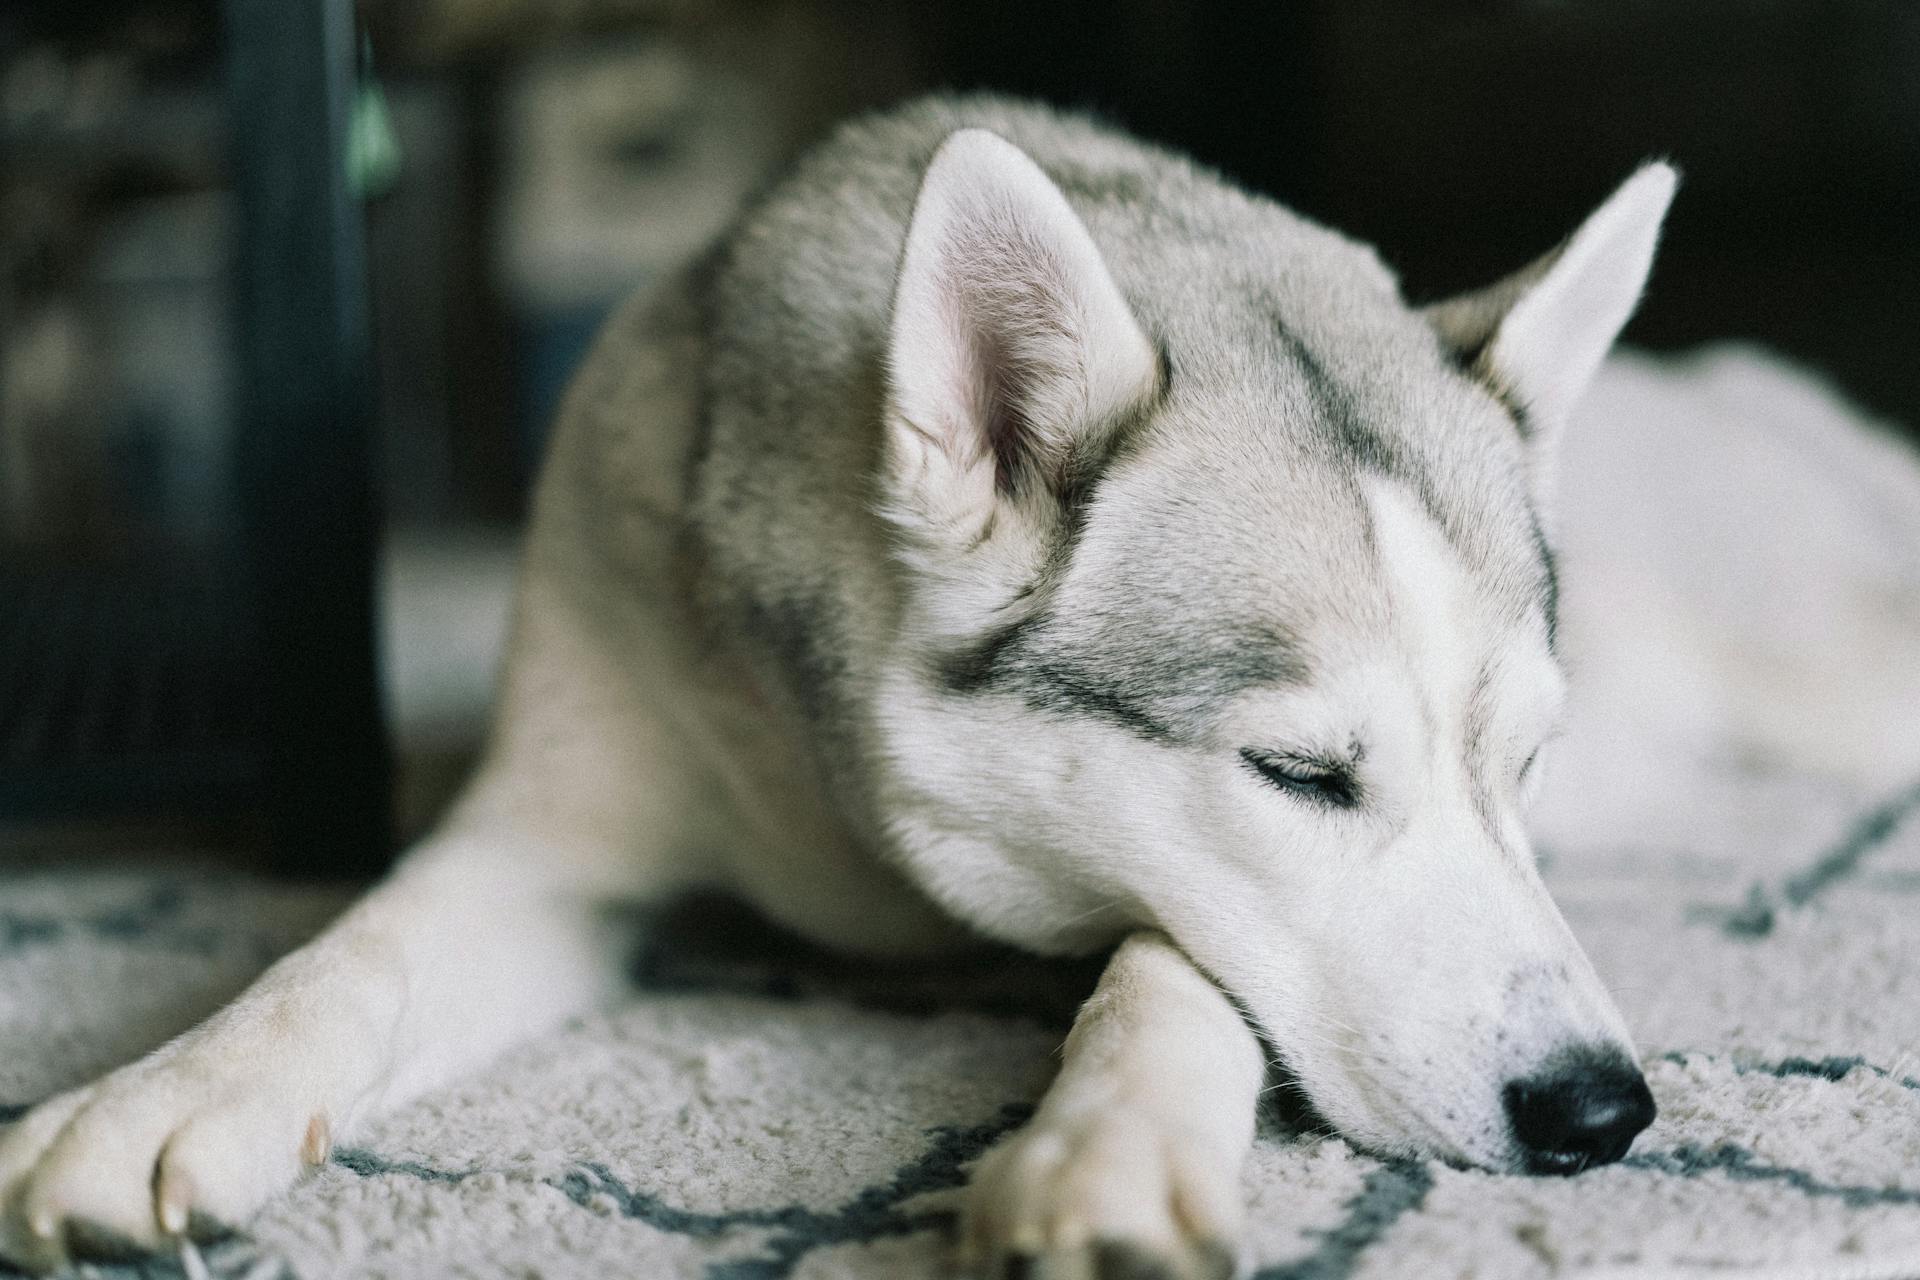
{"points": [[1732, 826]]}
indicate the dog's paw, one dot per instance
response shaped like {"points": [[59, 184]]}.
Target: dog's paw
{"points": [[1109, 1196], [172, 1145]]}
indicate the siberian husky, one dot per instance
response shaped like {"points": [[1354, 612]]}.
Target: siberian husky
{"points": [[1014, 531]]}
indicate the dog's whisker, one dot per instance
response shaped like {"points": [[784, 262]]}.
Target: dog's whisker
{"points": [[1090, 913]]}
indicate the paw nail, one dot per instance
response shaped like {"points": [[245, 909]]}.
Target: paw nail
{"points": [[174, 1194], [318, 1144]]}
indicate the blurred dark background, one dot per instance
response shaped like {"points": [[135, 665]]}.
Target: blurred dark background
{"points": [[288, 290]]}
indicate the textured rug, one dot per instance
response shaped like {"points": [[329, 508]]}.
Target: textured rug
{"points": [[1746, 877]]}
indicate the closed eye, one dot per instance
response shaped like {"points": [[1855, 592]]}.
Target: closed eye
{"points": [[1323, 782]]}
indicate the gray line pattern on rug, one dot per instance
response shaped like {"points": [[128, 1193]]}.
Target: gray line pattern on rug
{"points": [[1395, 1189], [1756, 916], [1833, 1069], [1739, 1163], [1391, 1190], [770, 1241], [797, 1230]]}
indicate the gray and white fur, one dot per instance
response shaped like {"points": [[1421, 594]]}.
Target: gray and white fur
{"points": [[1013, 531]]}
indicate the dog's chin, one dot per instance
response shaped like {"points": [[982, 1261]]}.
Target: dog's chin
{"points": [[1304, 1104], [1396, 1138], [1299, 1104]]}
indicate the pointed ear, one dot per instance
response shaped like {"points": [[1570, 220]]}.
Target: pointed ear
{"points": [[1012, 355], [1538, 337]]}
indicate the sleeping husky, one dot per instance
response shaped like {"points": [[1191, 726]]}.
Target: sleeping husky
{"points": [[1013, 532]]}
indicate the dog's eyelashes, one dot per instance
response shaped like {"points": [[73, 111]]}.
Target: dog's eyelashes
{"points": [[1319, 781]]}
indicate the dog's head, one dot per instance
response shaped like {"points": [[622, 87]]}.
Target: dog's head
{"points": [[1231, 613]]}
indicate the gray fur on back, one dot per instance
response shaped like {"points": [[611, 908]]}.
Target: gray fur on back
{"points": [[1226, 518]]}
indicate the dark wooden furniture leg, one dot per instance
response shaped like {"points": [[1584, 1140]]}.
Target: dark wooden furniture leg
{"points": [[304, 460]]}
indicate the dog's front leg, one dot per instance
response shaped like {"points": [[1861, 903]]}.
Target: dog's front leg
{"points": [[470, 944], [1131, 1166]]}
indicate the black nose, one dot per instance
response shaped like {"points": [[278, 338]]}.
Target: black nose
{"points": [[1583, 1110]]}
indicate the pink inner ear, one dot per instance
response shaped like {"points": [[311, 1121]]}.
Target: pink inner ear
{"points": [[1017, 348], [997, 393], [1011, 344], [1024, 450]]}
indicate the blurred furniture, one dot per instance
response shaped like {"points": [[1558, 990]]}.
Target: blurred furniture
{"points": [[219, 661], [304, 445]]}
